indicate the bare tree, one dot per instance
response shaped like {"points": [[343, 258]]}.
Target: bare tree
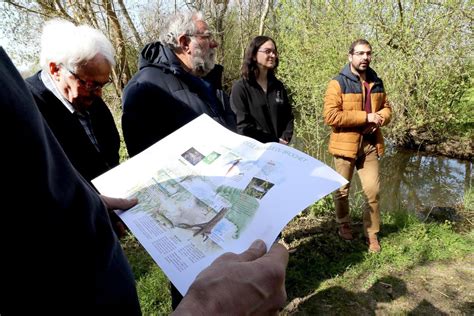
{"points": [[130, 23], [263, 17], [99, 14], [121, 74]]}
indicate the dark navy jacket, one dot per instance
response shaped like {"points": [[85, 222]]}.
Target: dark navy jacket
{"points": [[59, 253], [163, 97], [71, 135]]}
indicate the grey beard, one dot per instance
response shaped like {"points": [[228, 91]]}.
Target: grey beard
{"points": [[201, 65]]}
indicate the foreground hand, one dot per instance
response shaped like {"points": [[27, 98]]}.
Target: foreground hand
{"points": [[117, 204], [252, 282]]}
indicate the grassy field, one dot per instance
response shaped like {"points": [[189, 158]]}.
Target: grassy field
{"points": [[329, 269]]}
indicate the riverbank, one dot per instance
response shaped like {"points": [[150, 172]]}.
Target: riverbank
{"points": [[452, 147]]}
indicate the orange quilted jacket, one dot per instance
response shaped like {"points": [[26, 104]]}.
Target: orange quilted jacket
{"points": [[344, 111]]}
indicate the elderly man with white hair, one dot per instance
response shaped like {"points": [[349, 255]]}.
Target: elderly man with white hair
{"points": [[76, 62]]}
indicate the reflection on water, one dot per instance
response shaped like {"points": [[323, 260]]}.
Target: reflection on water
{"points": [[413, 181]]}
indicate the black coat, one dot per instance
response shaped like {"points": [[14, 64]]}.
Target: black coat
{"points": [[163, 97], [71, 135], [264, 116], [59, 253]]}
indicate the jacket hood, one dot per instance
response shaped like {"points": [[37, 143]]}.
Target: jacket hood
{"points": [[157, 55], [371, 74]]}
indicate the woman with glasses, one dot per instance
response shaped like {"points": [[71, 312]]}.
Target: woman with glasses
{"points": [[259, 99]]}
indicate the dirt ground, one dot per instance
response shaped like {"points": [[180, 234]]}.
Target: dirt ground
{"points": [[437, 288], [440, 288]]}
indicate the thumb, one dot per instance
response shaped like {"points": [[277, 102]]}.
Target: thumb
{"points": [[118, 203], [125, 204], [255, 251]]}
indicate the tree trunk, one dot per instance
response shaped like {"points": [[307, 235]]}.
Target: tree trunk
{"points": [[130, 23], [263, 17], [121, 74], [241, 35]]}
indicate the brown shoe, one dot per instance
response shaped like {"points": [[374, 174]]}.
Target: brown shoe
{"points": [[345, 231], [373, 244]]}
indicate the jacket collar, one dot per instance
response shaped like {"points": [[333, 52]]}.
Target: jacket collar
{"points": [[371, 74], [272, 80]]}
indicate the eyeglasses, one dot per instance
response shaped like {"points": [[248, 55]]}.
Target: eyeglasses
{"points": [[89, 85], [361, 53], [269, 51], [209, 36]]}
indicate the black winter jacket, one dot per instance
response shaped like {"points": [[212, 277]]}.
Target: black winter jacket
{"points": [[264, 116], [73, 260], [163, 97], [71, 135]]}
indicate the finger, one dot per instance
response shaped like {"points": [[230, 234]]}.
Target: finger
{"points": [[255, 251], [118, 203], [277, 254], [124, 204]]}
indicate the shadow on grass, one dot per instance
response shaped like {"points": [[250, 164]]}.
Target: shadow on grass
{"points": [[339, 301], [321, 254]]}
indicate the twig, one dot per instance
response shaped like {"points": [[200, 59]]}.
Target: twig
{"points": [[428, 214], [441, 293]]}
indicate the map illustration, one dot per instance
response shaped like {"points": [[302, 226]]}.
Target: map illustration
{"points": [[204, 190]]}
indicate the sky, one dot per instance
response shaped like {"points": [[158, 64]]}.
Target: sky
{"points": [[7, 39]]}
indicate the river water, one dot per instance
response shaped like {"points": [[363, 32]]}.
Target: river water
{"points": [[417, 182]]}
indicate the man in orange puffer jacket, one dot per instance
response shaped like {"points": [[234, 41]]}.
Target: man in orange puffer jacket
{"points": [[356, 106]]}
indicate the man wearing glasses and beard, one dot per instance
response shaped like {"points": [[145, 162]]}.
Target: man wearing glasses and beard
{"points": [[177, 81], [173, 86], [356, 107]]}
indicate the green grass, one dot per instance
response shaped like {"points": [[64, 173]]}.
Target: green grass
{"points": [[331, 273], [469, 199], [325, 264]]}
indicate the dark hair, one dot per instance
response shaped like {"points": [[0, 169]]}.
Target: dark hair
{"points": [[360, 41], [249, 69]]}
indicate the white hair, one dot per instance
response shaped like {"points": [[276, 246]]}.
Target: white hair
{"points": [[179, 24], [62, 42]]}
